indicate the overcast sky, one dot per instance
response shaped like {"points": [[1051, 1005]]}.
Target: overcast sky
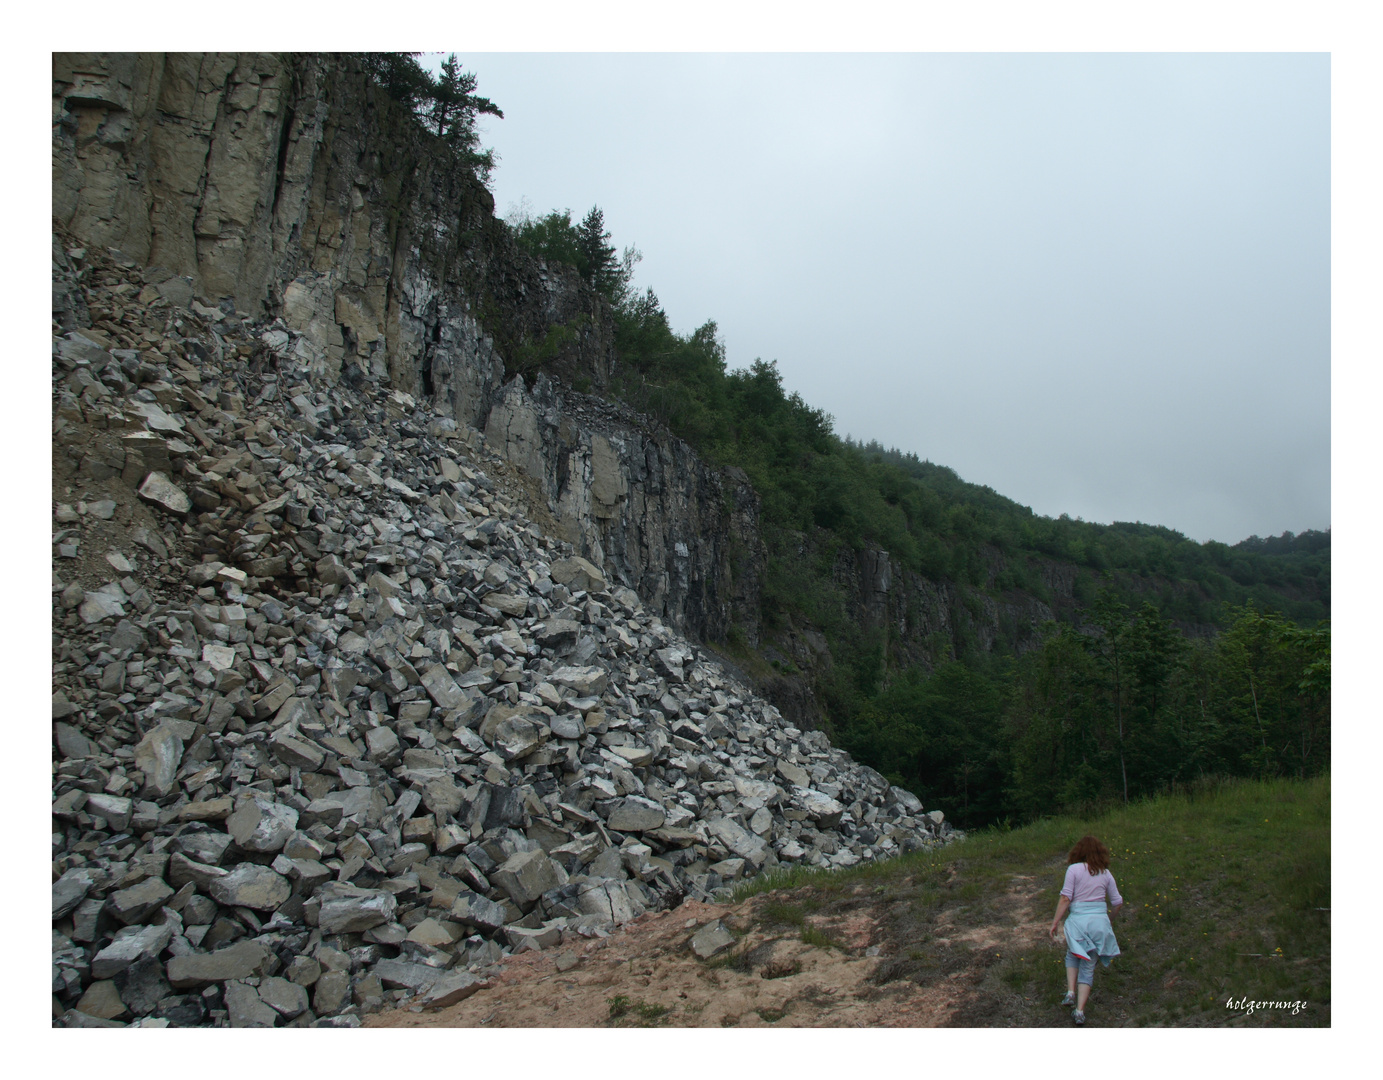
{"points": [[1099, 284]]}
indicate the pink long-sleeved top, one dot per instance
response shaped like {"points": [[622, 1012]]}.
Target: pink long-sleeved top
{"points": [[1081, 885]]}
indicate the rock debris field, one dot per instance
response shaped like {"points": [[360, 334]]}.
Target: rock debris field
{"points": [[337, 728]]}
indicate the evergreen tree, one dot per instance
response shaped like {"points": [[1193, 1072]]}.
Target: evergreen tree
{"points": [[447, 106], [593, 242]]}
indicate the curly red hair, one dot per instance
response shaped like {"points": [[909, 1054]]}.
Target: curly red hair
{"points": [[1091, 852]]}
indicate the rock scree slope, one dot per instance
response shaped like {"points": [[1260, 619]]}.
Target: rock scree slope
{"points": [[341, 720]]}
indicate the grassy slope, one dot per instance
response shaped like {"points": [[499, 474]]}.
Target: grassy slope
{"points": [[1222, 893]]}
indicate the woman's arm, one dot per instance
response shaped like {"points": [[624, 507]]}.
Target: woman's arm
{"points": [[1062, 906]]}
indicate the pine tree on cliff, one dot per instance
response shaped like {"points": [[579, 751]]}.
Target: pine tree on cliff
{"points": [[593, 242], [456, 107], [446, 106]]}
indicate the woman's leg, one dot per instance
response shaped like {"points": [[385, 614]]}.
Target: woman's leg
{"points": [[1087, 980], [1072, 961]]}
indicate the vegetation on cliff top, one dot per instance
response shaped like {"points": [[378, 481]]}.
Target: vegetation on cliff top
{"points": [[445, 106]]}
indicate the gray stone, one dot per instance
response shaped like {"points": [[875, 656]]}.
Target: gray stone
{"points": [[636, 756], [823, 810], [70, 890], [99, 606], [400, 974], [176, 290], [608, 864], [607, 900], [331, 993], [181, 870], [244, 1009], [437, 681], [442, 797], [250, 885], [451, 988], [636, 814], [286, 998], [383, 746], [296, 752], [910, 803], [568, 726], [72, 743], [239, 961], [478, 911], [511, 605], [516, 737], [557, 634], [75, 1018], [351, 910], [739, 840], [158, 756], [135, 904], [102, 1000], [303, 970], [203, 845], [142, 985], [525, 876], [711, 940], [116, 810], [129, 945], [162, 492], [589, 681], [577, 574], [331, 570], [261, 824], [794, 774]]}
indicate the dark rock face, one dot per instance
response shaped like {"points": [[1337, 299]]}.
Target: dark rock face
{"points": [[288, 185], [640, 503]]}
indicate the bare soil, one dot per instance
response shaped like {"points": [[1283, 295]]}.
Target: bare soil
{"points": [[800, 961]]}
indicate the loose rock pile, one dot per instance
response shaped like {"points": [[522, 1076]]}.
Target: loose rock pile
{"points": [[335, 724]]}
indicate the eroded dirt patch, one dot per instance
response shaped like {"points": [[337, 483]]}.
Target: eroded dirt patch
{"points": [[802, 959]]}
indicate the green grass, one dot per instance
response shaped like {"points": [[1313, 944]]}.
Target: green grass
{"points": [[643, 1013], [1227, 895], [812, 935]]}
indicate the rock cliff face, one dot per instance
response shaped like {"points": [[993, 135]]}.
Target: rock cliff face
{"points": [[640, 502], [288, 186]]}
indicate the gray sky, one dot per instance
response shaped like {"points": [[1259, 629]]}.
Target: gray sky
{"points": [[1099, 284]]}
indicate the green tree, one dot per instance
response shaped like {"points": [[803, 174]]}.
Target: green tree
{"points": [[455, 109], [447, 107], [1110, 648], [601, 269]]}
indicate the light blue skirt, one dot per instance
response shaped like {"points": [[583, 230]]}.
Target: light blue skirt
{"points": [[1088, 933]]}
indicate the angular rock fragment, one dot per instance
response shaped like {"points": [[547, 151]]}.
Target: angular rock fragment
{"points": [[252, 886], [162, 492], [711, 940]]}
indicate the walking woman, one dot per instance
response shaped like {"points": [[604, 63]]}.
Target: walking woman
{"points": [[1089, 936]]}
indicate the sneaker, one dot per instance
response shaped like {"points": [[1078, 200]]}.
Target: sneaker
{"points": [[1069, 999], [1079, 1018]]}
